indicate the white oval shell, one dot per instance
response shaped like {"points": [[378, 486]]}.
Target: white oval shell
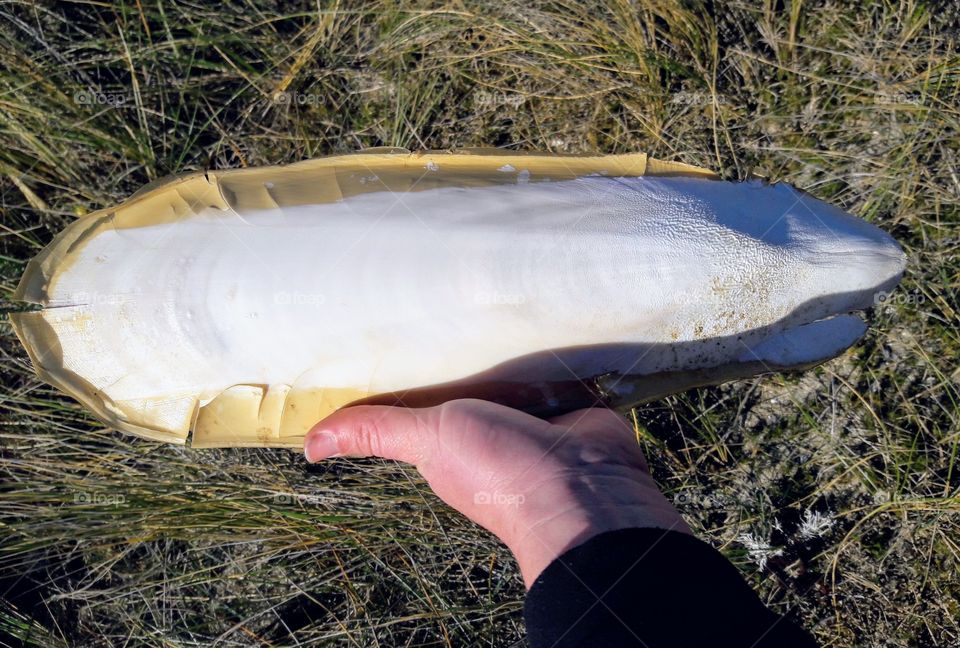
{"points": [[249, 304]]}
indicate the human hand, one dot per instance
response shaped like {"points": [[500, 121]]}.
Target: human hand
{"points": [[541, 486]]}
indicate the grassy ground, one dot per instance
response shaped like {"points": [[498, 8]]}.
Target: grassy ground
{"points": [[836, 492]]}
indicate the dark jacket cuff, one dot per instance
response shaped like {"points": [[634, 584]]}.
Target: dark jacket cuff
{"points": [[650, 587]]}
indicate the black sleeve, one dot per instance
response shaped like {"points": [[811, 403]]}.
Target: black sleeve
{"points": [[651, 588]]}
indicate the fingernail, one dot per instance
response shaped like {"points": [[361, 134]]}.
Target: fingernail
{"points": [[320, 445]]}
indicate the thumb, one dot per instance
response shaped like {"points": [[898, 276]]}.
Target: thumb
{"points": [[384, 431]]}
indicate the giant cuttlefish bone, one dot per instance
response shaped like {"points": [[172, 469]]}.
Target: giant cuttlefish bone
{"points": [[246, 305]]}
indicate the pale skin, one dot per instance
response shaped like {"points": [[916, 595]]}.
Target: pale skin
{"points": [[541, 486]]}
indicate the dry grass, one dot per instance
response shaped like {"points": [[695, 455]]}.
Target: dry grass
{"points": [[837, 492]]}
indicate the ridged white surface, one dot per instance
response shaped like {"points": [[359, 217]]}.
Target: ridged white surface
{"points": [[388, 291]]}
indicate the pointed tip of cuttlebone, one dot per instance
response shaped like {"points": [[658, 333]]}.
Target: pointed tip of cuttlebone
{"points": [[808, 344], [794, 349]]}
